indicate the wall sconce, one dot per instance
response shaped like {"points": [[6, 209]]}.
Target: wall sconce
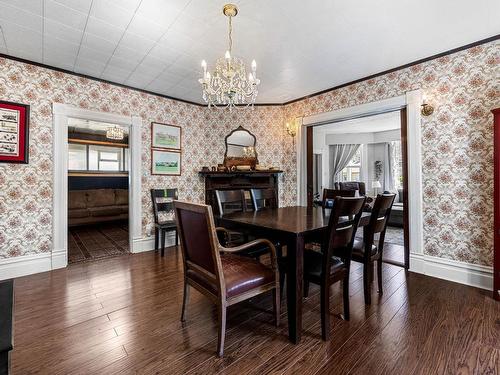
{"points": [[291, 129], [426, 109]]}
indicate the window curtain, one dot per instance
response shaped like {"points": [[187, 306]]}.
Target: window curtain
{"points": [[340, 156], [388, 183]]}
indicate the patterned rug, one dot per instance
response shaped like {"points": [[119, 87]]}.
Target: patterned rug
{"points": [[91, 242], [393, 235]]}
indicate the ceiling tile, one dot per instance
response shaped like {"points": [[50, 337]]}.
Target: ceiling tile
{"points": [[161, 12], [94, 55], [111, 13], [115, 74], [51, 44], [79, 5], [136, 43], [125, 64], [19, 38], [32, 6], [67, 16], [144, 27], [98, 44], [139, 80], [20, 17], [58, 30], [89, 67], [104, 30], [131, 56]]}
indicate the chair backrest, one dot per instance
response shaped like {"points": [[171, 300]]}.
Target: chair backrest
{"points": [[196, 228], [378, 220], [263, 198], [329, 196], [342, 226], [352, 185], [163, 201], [229, 201]]}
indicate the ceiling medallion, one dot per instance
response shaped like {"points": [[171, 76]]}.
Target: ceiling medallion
{"points": [[229, 86], [114, 132]]}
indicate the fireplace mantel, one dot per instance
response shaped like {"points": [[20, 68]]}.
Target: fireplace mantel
{"points": [[218, 180]]}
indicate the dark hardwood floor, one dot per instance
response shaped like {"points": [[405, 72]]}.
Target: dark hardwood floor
{"points": [[121, 316]]}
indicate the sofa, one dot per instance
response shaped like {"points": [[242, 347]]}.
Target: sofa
{"points": [[97, 206]]}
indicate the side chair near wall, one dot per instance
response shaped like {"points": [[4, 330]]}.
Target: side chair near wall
{"points": [[366, 251], [333, 263], [163, 205], [218, 272]]}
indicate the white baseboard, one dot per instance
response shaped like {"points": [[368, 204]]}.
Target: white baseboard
{"points": [[140, 245], [459, 272], [59, 259], [25, 265]]}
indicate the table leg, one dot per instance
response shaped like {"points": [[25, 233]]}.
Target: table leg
{"points": [[295, 278]]}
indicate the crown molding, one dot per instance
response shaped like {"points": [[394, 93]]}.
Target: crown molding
{"points": [[420, 61]]}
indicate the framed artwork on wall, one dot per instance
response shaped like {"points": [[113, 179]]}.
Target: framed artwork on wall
{"points": [[14, 132], [165, 136], [166, 163]]}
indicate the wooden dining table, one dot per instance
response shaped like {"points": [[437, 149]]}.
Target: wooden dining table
{"points": [[293, 227]]}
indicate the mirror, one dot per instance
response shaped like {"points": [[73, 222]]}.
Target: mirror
{"points": [[240, 148]]}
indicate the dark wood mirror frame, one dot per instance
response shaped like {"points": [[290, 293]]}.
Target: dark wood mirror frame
{"points": [[230, 161]]}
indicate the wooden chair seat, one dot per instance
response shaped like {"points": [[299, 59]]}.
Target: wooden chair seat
{"points": [[241, 274], [168, 224]]}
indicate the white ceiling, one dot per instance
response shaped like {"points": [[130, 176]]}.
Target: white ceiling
{"points": [[301, 47], [371, 124]]}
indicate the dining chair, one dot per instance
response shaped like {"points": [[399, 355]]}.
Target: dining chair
{"points": [[333, 263], [329, 196], [231, 201], [218, 272], [163, 206], [366, 251], [263, 198]]}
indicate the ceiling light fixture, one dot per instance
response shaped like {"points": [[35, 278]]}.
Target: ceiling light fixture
{"points": [[229, 85], [115, 132]]}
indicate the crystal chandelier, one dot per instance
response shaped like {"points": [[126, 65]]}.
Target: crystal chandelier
{"points": [[229, 85], [115, 132]]}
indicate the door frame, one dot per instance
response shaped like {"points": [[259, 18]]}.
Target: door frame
{"points": [[61, 113], [410, 101]]}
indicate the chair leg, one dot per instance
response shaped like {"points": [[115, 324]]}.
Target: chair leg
{"points": [[282, 283], [222, 329], [366, 282], [163, 236], [325, 311], [379, 275], [185, 301], [277, 304], [176, 238], [306, 288], [156, 238], [346, 296]]}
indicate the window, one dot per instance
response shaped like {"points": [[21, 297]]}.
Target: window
{"points": [[95, 158], [397, 164], [353, 170], [77, 157]]}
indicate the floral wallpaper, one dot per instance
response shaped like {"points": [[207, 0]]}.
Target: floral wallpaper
{"points": [[457, 146]]}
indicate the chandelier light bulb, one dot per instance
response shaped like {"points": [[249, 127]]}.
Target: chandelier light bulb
{"points": [[254, 65], [227, 55]]}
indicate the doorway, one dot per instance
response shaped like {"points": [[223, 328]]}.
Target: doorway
{"points": [[98, 190], [367, 154], [61, 114]]}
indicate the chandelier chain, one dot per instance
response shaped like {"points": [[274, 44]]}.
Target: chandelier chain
{"points": [[230, 35]]}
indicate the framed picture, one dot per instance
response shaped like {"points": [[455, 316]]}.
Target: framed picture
{"points": [[14, 132], [167, 163], [165, 136]]}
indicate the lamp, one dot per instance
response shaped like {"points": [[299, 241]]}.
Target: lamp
{"points": [[291, 129], [375, 186], [426, 109]]}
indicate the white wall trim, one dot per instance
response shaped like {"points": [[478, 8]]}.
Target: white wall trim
{"points": [[140, 245], [61, 112], [25, 265], [464, 273]]}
